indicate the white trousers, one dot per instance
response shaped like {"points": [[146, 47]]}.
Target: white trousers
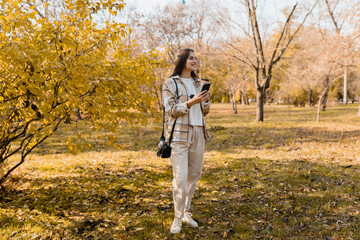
{"points": [[187, 161]]}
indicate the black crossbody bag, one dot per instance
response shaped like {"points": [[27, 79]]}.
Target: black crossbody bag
{"points": [[164, 150]]}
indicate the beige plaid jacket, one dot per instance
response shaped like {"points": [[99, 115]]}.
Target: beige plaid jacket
{"points": [[175, 107]]}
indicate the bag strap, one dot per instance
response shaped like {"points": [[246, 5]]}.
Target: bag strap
{"points": [[172, 130]]}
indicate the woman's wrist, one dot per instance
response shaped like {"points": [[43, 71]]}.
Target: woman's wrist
{"points": [[188, 104]]}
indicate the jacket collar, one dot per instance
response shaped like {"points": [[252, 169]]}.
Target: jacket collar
{"points": [[178, 77]]}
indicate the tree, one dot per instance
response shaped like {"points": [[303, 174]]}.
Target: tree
{"points": [[233, 74], [168, 27], [175, 27], [338, 24], [309, 60], [340, 15], [56, 59], [326, 67], [265, 59], [315, 65]]}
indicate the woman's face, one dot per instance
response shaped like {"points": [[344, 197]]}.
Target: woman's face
{"points": [[191, 63]]}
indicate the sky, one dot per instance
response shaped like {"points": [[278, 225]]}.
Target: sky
{"points": [[271, 9], [149, 5]]}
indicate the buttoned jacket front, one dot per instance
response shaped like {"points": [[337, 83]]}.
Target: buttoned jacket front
{"points": [[176, 108]]}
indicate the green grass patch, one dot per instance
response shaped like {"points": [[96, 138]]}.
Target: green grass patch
{"points": [[286, 178]]}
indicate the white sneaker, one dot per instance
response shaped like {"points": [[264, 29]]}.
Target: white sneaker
{"points": [[188, 219], [176, 226]]}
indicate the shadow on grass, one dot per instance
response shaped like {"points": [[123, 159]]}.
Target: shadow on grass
{"points": [[237, 199], [97, 203], [264, 199]]}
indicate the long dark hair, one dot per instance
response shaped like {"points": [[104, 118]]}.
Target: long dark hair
{"points": [[180, 62]]}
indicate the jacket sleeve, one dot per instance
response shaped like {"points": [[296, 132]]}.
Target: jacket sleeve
{"points": [[173, 107], [205, 107]]}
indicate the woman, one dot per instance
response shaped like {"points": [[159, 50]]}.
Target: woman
{"points": [[184, 103]]}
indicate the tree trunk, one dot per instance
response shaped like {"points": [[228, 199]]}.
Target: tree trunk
{"points": [[318, 110], [158, 96], [260, 97], [234, 106], [345, 98], [325, 94], [229, 97], [310, 99], [3, 178], [233, 101], [246, 99], [68, 120], [78, 114], [324, 101], [321, 100]]}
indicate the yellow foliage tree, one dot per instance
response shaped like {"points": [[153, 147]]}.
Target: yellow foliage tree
{"points": [[55, 59]]}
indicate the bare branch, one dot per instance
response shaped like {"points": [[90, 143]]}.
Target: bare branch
{"points": [[283, 32], [35, 8], [292, 36], [43, 139], [255, 29], [331, 13], [348, 13], [249, 63]]}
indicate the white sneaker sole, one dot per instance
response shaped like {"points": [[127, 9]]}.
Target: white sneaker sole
{"points": [[175, 231], [191, 224]]}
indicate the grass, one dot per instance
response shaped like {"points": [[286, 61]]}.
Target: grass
{"points": [[286, 178]]}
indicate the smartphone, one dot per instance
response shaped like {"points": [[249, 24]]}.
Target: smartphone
{"points": [[205, 87]]}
